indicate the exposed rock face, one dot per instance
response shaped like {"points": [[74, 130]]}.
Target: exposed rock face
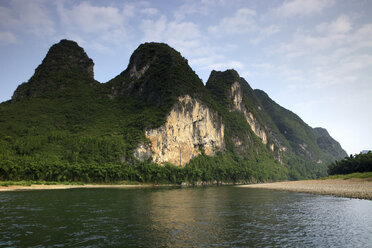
{"points": [[237, 98], [138, 73], [190, 128]]}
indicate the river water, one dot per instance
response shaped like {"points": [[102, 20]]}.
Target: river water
{"points": [[182, 217]]}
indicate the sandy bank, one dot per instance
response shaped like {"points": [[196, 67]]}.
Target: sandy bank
{"points": [[353, 188], [61, 186]]}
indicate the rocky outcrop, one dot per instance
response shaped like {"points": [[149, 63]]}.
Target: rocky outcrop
{"points": [[191, 128], [134, 72], [237, 98]]}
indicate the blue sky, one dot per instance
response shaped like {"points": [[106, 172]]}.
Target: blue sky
{"points": [[313, 57]]}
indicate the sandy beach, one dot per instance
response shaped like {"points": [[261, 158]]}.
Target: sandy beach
{"points": [[61, 186], [352, 188]]}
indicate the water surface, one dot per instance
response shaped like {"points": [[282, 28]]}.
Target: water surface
{"points": [[182, 217]]}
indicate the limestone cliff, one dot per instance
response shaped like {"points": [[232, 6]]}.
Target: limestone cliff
{"points": [[191, 128], [237, 98]]}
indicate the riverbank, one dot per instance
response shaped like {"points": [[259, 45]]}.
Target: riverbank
{"points": [[353, 188], [68, 186]]}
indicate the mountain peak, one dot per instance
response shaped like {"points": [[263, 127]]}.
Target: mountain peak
{"points": [[228, 76], [157, 74], [65, 55], [149, 53], [220, 82], [64, 67]]}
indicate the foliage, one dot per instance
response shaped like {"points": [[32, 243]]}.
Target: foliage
{"points": [[349, 176], [222, 168], [357, 163], [328, 145], [300, 136]]}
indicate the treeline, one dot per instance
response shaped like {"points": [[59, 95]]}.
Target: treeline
{"points": [[357, 163], [218, 169]]}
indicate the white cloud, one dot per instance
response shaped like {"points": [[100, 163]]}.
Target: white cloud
{"points": [[28, 16], [243, 21], [184, 36], [296, 8], [104, 26], [7, 38], [149, 11], [336, 37], [154, 29], [195, 7], [341, 25], [333, 53], [87, 18], [265, 32]]}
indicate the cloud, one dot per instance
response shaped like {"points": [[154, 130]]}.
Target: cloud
{"points": [[265, 32], [341, 25], [243, 21], [27, 16], [195, 7], [301, 8], [7, 38], [149, 11], [87, 18], [184, 36], [333, 53], [337, 37], [104, 26]]}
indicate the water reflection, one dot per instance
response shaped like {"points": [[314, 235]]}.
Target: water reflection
{"points": [[186, 217]]}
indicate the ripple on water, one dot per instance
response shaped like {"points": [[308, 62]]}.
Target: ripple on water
{"points": [[190, 217]]}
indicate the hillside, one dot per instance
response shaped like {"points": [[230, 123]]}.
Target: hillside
{"points": [[64, 125], [328, 145]]}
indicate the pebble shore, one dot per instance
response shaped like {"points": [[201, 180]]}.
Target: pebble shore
{"points": [[351, 188]]}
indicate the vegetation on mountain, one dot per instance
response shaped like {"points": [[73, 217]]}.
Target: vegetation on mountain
{"points": [[327, 144], [62, 125]]}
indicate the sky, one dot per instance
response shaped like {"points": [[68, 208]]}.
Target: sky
{"points": [[313, 57]]}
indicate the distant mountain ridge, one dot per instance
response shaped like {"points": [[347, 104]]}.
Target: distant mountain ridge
{"points": [[157, 110]]}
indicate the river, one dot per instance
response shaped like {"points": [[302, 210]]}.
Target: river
{"points": [[224, 216]]}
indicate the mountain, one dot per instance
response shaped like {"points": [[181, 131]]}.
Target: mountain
{"points": [[65, 65], [328, 145], [64, 125]]}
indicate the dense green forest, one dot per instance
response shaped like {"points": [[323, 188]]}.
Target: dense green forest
{"points": [[218, 169], [355, 163], [62, 125]]}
